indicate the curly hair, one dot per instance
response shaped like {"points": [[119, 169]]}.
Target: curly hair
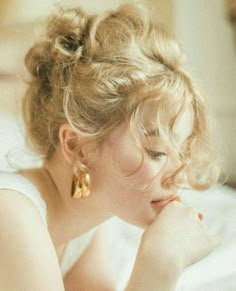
{"points": [[96, 71]]}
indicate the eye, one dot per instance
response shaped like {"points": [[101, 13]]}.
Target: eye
{"points": [[154, 154]]}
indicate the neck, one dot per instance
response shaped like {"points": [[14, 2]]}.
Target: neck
{"points": [[67, 217]]}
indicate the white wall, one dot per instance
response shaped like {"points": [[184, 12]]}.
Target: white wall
{"points": [[19, 27], [204, 32], [164, 10]]}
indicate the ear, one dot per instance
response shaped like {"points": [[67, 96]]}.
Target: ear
{"points": [[69, 141]]}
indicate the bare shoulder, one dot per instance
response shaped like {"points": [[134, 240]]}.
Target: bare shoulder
{"points": [[12, 201], [27, 251]]}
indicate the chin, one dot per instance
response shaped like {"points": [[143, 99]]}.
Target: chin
{"points": [[142, 218], [140, 222]]}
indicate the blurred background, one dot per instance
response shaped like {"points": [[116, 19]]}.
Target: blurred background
{"points": [[205, 30]]}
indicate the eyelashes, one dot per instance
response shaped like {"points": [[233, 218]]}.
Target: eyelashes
{"points": [[155, 155]]}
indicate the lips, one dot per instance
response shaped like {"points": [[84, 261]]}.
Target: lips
{"points": [[168, 198], [160, 203]]}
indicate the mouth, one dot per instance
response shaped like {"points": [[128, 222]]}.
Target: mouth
{"points": [[160, 203]]}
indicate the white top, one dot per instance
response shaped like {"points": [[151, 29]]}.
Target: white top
{"points": [[19, 183]]}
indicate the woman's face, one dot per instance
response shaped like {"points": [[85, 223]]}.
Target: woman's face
{"points": [[125, 194]]}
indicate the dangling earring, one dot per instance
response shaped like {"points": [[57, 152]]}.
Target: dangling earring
{"points": [[80, 185]]}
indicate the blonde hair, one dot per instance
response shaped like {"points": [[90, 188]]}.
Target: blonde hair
{"points": [[95, 71]]}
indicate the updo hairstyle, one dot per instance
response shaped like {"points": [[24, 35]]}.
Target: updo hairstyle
{"points": [[97, 71]]}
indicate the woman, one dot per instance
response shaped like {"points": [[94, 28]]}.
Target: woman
{"points": [[121, 127]]}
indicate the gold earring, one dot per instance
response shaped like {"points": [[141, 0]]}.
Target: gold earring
{"points": [[80, 185]]}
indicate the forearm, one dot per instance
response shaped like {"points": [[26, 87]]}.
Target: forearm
{"points": [[158, 283], [82, 283], [143, 277]]}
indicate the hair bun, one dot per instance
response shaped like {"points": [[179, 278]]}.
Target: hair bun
{"points": [[37, 60], [67, 29]]}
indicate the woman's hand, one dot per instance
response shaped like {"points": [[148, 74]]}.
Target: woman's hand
{"points": [[176, 239], [179, 234]]}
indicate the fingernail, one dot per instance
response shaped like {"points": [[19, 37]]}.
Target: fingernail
{"points": [[200, 215]]}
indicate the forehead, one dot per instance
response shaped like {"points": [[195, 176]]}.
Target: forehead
{"points": [[182, 128]]}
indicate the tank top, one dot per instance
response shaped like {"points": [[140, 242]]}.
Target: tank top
{"points": [[76, 246]]}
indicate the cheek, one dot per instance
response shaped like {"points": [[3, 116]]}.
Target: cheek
{"points": [[125, 157], [142, 175], [150, 172], [127, 161]]}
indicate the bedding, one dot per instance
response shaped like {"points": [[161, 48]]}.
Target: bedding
{"points": [[216, 272]]}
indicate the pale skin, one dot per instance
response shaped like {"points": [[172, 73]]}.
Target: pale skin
{"points": [[115, 193]]}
